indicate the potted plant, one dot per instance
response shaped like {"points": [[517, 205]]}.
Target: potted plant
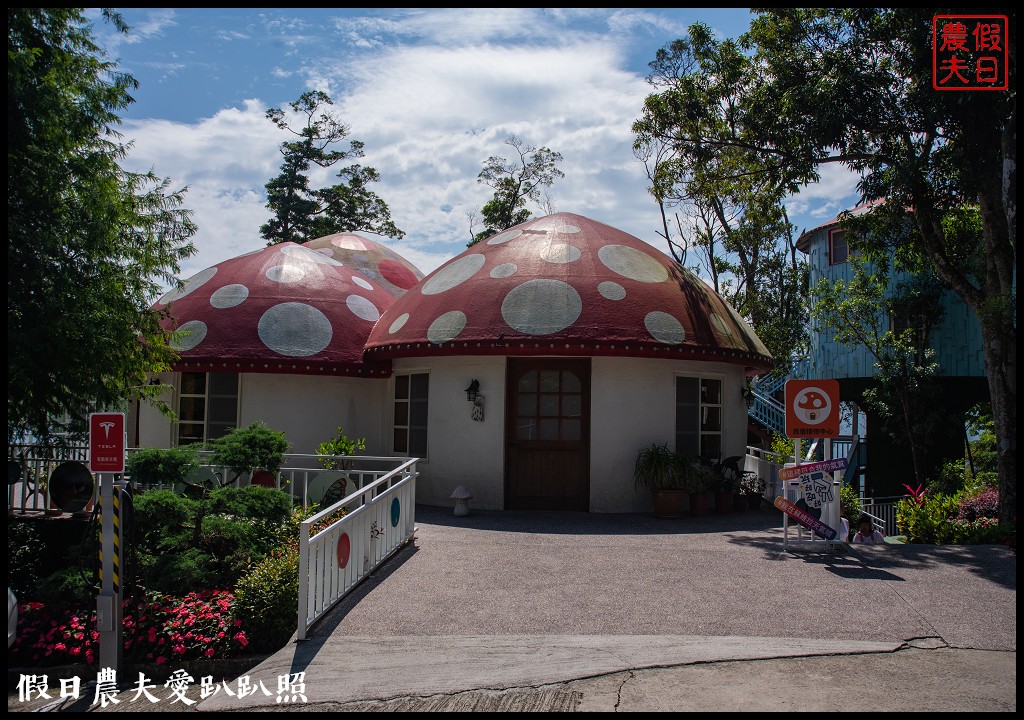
{"points": [[726, 483], [752, 487], [657, 469], [699, 480]]}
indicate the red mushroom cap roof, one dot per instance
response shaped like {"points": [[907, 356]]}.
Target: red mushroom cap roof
{"points": [[565, 285], [370, 259], [285, 308]]}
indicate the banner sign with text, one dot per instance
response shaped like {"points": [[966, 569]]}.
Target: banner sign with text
{"points": [[791, 473], [803, 517]]}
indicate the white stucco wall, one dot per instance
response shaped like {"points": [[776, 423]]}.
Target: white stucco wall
{"points": [[633, 404], [461, 451], [307, 408]]}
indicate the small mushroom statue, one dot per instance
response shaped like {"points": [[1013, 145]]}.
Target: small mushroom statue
{"points": [[461, 496]]}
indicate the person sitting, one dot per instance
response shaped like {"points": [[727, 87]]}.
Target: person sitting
{"points": [[867, 534]]}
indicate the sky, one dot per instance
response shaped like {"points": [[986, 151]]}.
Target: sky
{"points": [[432, 93]]}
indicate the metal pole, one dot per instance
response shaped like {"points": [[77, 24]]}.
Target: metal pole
{"points": [[109, 610]]}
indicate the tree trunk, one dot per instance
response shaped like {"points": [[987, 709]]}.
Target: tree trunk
{"points": [[1001, 365]]}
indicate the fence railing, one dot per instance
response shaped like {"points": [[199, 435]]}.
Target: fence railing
{"points": [[334, 558], [882, 512], [302, 476]]}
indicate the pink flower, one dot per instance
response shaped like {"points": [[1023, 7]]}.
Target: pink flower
{"points": [[209, 652], [161, 660]]}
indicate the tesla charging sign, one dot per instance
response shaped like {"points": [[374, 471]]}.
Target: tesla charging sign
{"points": [[812, 408], [106, 442]]}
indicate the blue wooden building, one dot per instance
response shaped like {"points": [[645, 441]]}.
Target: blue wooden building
{"points": [[956, 339]]}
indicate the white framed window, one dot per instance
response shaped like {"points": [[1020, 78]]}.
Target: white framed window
{"points": [[409, 427], [699, 416], [207, 406]]}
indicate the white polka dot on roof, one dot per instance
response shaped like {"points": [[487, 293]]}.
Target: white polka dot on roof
{"points": [[361, 283], [349, 243], [229, 296], [541, 307], [611, 290], [456, 273], [566, 229], [504, 270], [285, 273], [295, 329], [504, 237], [399, 323], [193, 283], [447, 327], [664, 328], [305, 253], [560, 253], [632, 263], [362, 308], [193, 333]]}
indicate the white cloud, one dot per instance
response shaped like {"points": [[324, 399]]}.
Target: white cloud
{"points": [[835, 191], [429, 115]]}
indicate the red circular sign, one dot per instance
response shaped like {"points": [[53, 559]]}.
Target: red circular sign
{"points": [[344, 550]]}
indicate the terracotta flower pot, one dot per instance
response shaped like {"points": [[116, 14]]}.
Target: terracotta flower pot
{"points": [[668, 503], [698, 504], [723, 503]]}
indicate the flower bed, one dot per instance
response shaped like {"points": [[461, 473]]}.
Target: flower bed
{"points": [[160, 629]]}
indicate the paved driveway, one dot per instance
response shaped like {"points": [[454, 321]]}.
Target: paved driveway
{"points": [[517, 600]]}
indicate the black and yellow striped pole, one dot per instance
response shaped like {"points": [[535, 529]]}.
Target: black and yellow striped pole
{"points": [[109, 609]]}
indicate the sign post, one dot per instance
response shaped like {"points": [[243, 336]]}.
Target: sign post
{"points": [[106, 455], [812, 408], [812, 412]]}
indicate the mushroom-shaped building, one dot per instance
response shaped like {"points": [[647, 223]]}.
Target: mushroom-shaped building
{"points": [[586, 344], [277, 336]]}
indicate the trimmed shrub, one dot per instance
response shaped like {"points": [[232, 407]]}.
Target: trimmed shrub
{"points": [[250, 448], [150, 466], [267, 600]]}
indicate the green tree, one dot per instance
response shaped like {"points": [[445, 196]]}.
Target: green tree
{"points": [[302, 213], [853, 86], [730, 223], [514, 182], [89, 245]]}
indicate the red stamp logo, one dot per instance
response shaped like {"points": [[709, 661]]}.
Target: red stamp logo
{"points": [[969, 52]]}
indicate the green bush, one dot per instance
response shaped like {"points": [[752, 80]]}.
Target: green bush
{"points": [[850, 499], [928, 522], [198, 544], [267, 600], [150, 466], [250, 448], [24, 549]]}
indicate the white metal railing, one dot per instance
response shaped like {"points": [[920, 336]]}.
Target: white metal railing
{"points": [[381, 518], [767, 465], [882, 512], [302, 476]]}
